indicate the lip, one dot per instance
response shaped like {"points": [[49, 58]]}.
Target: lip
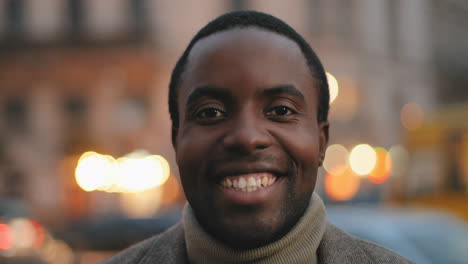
{"points": [[262, 195]]}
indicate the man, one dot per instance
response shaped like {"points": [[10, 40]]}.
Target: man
{"points": [[249, 103]]}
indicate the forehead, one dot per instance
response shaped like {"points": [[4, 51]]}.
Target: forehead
{"points": [[247, 56]]}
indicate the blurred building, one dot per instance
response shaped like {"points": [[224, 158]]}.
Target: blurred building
{"points": [[79, 75], [76, 76]]}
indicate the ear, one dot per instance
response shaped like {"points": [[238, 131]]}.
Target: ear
{"points": [[323, 140]]}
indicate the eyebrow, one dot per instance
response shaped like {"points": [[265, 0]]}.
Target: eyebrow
{"points": [[222, 94], [210, 91], [282, 89]]}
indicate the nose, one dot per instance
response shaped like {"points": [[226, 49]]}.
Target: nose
{"points": [[247, 134]]}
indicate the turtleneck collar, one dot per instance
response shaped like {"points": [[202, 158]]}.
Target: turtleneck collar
{"points": [[299, 245]]}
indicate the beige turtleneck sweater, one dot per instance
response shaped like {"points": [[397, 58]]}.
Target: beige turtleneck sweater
{"points": [[299, 245]]}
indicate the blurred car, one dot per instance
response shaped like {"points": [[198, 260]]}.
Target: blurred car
{"points": [[23, 240], [116, 232], [425, 237]]}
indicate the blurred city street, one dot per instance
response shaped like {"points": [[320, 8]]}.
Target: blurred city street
{"points": [[87, 166]]}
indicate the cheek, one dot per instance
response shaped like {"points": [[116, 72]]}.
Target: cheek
{"points": [[302, 145], [303, 148], [195, 146]]}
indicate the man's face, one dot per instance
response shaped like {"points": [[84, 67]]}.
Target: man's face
{"points": [[249, 144]]}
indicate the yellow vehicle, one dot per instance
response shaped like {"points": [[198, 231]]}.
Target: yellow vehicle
{"points": [[437, 170]]}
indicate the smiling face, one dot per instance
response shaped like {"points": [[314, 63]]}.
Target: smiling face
{"points": [[248, 144]]}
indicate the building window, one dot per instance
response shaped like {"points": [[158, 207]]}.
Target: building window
{"points": [[138, 17], [16, 114], [75, 108], [76, 112], [75, 10], [393, 29], [14, 14], [345, 19], [131, 114], [315, 17], [238, 4], [14, 180]]}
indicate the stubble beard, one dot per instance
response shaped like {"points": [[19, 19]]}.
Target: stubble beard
{"points": [[252, 229]]}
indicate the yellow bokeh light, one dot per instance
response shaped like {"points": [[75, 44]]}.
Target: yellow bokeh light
{"points": [[139, 153], [382, 168], [140, 174], [412, 116], [135, 172], [137, 175], [94, 171], [336, 157], [109, 178], [333, 87], [166, 169], [343, 185], [362, 159]]}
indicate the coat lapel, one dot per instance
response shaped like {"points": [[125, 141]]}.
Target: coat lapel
{"points": [[339, 247], [170, 248]]}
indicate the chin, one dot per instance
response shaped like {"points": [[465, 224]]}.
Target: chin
{"points": [[251, 234], [253, 229]]}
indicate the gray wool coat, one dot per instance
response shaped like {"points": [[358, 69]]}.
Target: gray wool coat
{"points": [[336, 247]]}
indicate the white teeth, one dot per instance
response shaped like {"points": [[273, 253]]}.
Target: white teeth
{"points": [[242, 183], [228, 183], [265, 181], [248, 184], [251, 182]]}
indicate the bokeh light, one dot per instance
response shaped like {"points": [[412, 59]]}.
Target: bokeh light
{"points": [[39, 236], [135, 172], [412, 116], [336, 158], [362, 159], [5, 237], [343, 185], [400, 159], [23, 232], [382, 168], [332, 86], [166, 169], [139, 174], [94, 171]]}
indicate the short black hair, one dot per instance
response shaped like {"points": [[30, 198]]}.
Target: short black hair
{"points": [[244, 19]]}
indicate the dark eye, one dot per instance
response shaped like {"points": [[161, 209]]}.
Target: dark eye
{"points": [[280, 111], [209, 114]]}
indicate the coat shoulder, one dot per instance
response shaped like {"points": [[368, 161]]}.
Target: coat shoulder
{"points": [[380, 254], [337, 246], [167, 247]]}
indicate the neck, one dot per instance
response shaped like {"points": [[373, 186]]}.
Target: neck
{"points": [[299, 244]]}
